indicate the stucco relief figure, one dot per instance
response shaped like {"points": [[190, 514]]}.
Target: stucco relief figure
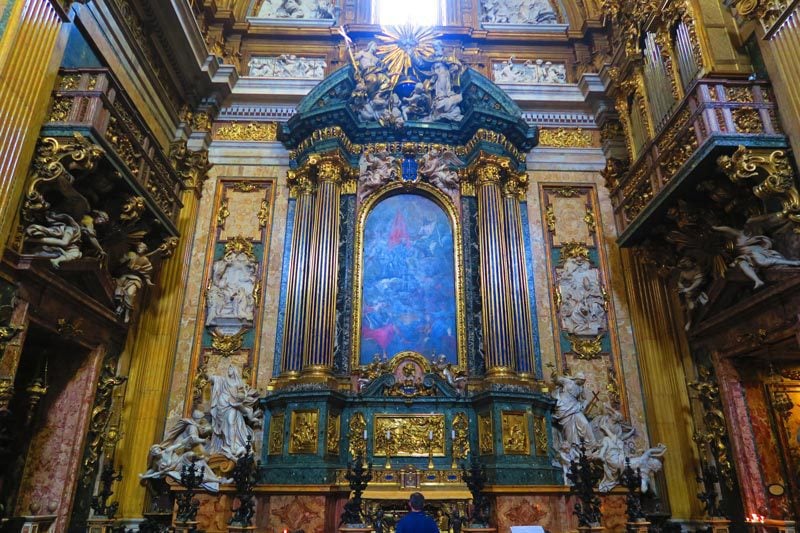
{"points": [[531, 72], [298, 9], [691, 280], [136, 271], [287, 66], [230, 302], [445, 100], [234, 414], [375, 170], [183, 442], [445, 368], [583, 304], [518, 12], [570, 411], [435, 167], [754, 252], [612, 453], [61, 237]]}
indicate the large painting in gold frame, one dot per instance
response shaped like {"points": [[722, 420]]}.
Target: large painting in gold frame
{"points": [[452, 213]]}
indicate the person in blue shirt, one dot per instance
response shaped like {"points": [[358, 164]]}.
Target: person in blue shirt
{"points": [[416, 521]]}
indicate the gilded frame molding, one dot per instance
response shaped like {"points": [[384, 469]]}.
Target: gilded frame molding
{"points": [[423, 189], [510, 420]]}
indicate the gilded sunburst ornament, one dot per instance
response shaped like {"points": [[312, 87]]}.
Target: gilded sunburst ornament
{"points": [[405, 46]]}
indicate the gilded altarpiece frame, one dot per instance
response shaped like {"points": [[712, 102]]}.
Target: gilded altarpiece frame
{"points": [[242, 222], [516, 436], [579, 285], [304, 431], [453, 214]]}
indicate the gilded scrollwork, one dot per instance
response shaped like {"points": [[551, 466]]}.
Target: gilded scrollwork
{"points": [[333, 433], [275, 442], [251, 132], [461, 446], [357, 436], [485, 434], [714, 433]]}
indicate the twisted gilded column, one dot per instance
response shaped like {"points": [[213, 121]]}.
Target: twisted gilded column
{"points": [[297, 283], [320, 310], [521, 321], [498, 332]]}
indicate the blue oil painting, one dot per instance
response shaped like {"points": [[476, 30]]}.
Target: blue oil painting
{"points": [[409, 293]]}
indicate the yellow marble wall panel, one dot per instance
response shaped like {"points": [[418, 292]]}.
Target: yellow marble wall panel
{"points": [[570, 224], [192, 314], [243, 218], [628, 365]]}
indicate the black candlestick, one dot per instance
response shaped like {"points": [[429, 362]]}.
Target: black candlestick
{"points": [[244, 477], [584, 474], [358, 477], [191, 479], [100, 504], [632, 480], [475, 478], [709, 496]]}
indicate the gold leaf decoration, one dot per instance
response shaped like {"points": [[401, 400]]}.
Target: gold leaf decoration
{"points": [[565, 138], [251, 132]]}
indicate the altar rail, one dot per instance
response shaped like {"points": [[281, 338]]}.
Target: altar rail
{"points": [[90, 99], [714, 112]]}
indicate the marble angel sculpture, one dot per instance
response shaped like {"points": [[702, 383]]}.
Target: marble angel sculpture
{"points": [[570, 411], [60, 238], [136, 271], [441, 365], [375, 170], [234, 414], [691, 281], [183, 442], [435, 167], [446, 102], [754, 252]]}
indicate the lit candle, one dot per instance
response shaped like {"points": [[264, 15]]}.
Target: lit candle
{"points": [[388, 434], [430, 435], [454, 434], [365, 434]]}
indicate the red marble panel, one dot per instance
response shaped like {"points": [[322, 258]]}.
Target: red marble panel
{"points": [[296, 512], [54, 457], [551, 511]]}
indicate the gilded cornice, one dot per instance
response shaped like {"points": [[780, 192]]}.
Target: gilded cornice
{"points": [[565, 138], [253, 132]]}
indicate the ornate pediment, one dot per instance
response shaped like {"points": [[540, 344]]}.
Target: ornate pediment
{"points": [[407, 87]]}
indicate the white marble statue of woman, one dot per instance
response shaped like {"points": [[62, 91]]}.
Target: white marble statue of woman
{"points": [[233, 414], [570, 410]]}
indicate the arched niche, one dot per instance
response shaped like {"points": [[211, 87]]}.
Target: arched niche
{"points": [[409, 280]]}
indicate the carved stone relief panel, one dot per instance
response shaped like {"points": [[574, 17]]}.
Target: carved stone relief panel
{"points": [[529, 71], [518, 12], [287, 66]]}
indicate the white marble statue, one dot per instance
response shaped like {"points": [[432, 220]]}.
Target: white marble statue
{"points": [[375, 170], [183, 442], [435, 166], [648, 463], [298, 9], [754, 252], [234, 414], [61, 237], [691, 280], [445, 101], [136, 271], [570, 412], [529, 72], [230, 302], [441, 365], [612, 453], [518, 12], [287, 66], [583, 305]]}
